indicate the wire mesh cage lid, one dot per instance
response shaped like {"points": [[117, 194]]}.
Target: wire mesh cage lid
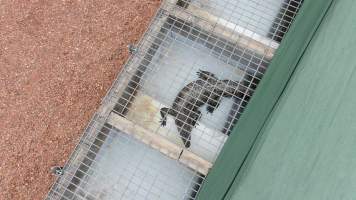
{"points": [[169, 112]]}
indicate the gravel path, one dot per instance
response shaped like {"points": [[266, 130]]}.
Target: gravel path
{"points": [[57, 60]]}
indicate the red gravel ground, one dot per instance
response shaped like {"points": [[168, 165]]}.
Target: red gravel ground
{"points": [[57, 60]]}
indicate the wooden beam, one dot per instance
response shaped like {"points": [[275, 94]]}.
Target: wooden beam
{"points": [[160, 143], [223, 28], [154, 140], [193, 161]]}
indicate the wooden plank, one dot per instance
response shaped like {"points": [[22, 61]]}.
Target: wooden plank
{"points": [[195, 162], [223, 28], [160, 143], [154, 140]]}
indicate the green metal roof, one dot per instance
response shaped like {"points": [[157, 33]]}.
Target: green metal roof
{"points": [[308, 147], [303, 117]]}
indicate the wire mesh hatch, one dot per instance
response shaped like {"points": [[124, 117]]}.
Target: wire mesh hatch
{"points": [[164, 121]]}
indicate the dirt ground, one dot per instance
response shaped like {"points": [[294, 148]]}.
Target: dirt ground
{"points": [[57, 60]]}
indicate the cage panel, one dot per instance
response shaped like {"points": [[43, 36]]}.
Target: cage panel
{"points": [[168, 114]]}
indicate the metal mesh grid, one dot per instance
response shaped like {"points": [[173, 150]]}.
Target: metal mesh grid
{"points": [[270, 18], [192, 72]]}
